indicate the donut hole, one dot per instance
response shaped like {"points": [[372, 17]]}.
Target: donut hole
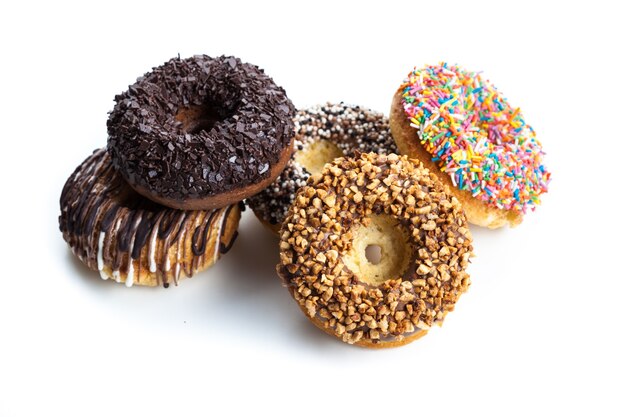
{"points": [[316, 154], [201, 118], [380, 250], [373, 254]]}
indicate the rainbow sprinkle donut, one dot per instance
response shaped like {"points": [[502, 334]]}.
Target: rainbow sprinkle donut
{"points": [[478, 143]]}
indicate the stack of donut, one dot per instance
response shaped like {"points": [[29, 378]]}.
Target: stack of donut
{"points": [[187, 143], [374, 245]]}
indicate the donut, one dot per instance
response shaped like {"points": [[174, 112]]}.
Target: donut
{"points": [[384, 202], [460, 127], [201, 133], [323, 133], [131, 239]]}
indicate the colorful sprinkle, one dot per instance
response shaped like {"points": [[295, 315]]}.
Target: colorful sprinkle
{"points": [[475, 136]]}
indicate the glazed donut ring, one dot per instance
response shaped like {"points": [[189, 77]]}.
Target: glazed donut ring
{"points": [[323, 132], [425, 245], [461, 128], [201, 133], [127, 237]]}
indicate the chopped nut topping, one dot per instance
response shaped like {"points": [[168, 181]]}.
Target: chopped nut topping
{"points": [[318, 231]]}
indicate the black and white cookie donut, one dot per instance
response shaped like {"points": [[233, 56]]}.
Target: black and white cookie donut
{"points": [[323, 133]]}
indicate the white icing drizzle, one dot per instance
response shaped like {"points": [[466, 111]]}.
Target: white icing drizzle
{"points": [[181, 240], [216, 252], [166, 246], [117, 226], [151, 248], [100, 258], [116, 273], [130, 275]]}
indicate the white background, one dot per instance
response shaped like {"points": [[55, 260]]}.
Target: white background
{"points": [[539, 332]]}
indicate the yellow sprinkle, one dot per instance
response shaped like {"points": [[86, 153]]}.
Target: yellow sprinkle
{"points": [[458, 155]]}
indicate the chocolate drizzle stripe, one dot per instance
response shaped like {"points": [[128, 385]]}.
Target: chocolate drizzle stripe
{"points": [[201, 234], [168, 221], [124, 237], [180, 228], [109, 216], [172, 239], [225, 248], [75, 224], [116, 260], [142, 232]]}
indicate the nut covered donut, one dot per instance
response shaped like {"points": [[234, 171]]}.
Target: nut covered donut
{"points": [[460, 127], [127, 237], [375, 201], [323, 133], [201, 133]]}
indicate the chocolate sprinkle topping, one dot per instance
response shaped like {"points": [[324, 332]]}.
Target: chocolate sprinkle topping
{"points": [[351, 128], [198, 127]]}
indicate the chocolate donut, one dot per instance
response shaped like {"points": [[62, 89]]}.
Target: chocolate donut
{"points": [[131, 239], [367, 202], [201, 133], [323, 132]]}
